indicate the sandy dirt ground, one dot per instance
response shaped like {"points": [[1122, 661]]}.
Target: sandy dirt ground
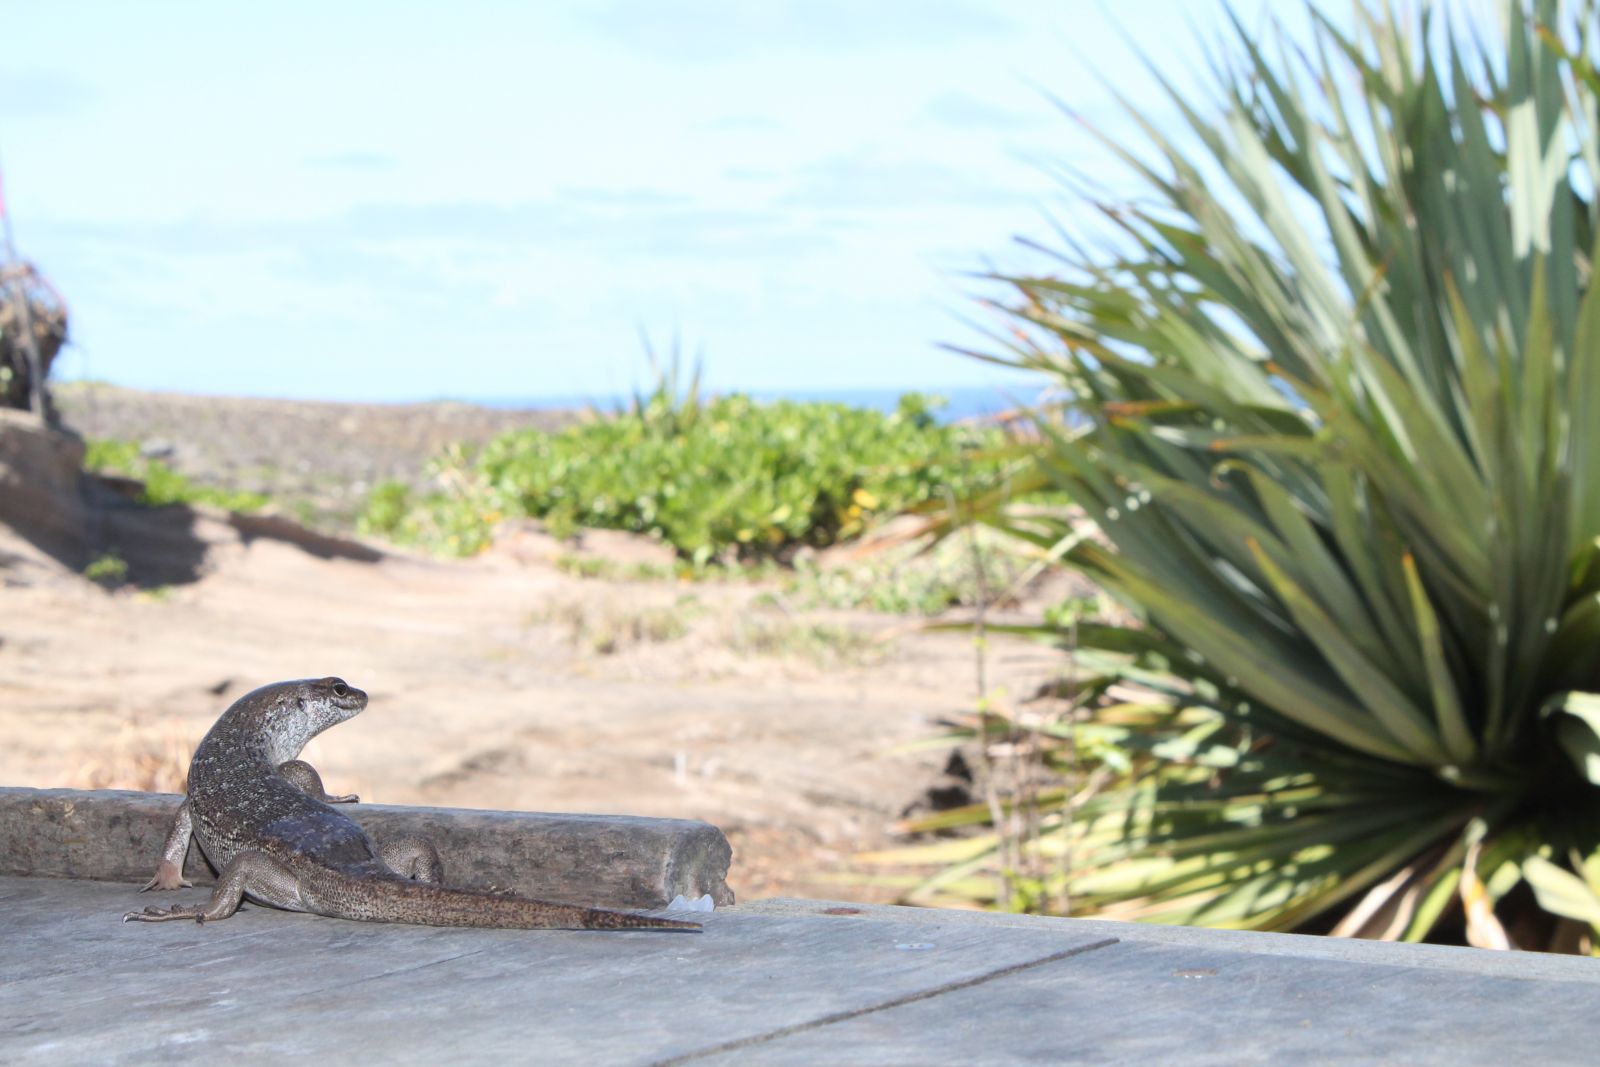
{"points": [[502, 682]]}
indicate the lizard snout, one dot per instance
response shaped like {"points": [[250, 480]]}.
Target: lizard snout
{"points": [[343, 695]]}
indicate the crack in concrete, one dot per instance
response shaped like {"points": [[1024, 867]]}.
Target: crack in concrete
{"points": [[856, 1013], [410, 968]]}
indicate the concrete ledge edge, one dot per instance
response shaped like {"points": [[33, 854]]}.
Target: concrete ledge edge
{"points": [[606, 860]]}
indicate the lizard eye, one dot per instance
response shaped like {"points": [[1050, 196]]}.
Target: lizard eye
{"points": [[340, 689]]}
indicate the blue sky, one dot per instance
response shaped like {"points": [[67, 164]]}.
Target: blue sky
{"points": [[400, 201]]}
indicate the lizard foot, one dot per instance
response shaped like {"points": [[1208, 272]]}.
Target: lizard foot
{"points": [[348, 798], [154, 914], [168, 876]]}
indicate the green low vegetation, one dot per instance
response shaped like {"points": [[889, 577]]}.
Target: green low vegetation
{"points": [[162, 483], [914, 579], [721, 480], [603, 569], [1336, 410], [108, 569]]}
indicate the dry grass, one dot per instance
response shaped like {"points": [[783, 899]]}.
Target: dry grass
{"points": [[822, 644], [608, 628], [150, 757]]}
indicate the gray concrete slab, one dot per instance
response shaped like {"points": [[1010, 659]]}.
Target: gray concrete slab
{"points": [[778, 982], [613, 860], [78, 986]]}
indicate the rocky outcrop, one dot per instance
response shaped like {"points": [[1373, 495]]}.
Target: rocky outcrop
{"points": [[54, 518], [43, 515]]}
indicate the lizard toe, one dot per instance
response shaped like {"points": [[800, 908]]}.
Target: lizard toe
{"points": [[154, 914]]}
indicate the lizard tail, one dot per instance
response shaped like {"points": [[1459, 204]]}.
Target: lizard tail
{"points": [[432, 905]]}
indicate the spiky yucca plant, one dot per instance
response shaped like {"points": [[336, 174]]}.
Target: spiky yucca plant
{"points": [[1335, 407]]}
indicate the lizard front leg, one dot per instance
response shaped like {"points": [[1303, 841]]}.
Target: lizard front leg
{"points": [[262, 877], [169, 872], [305, 778]]}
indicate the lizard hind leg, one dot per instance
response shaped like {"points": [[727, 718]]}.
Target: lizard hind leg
{"points": [[253, 873], [414, 858]]}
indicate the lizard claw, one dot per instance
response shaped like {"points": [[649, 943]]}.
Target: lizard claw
{"points": [[168, 876], [157, 883]]}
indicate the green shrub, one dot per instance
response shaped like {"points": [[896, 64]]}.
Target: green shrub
{"points": [[717, 479], [163, 484], [1336, 409]]}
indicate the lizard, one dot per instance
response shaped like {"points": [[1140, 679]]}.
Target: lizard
{"points": [[264, 821]]}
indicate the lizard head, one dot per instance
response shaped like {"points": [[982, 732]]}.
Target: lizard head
{"points": [[288, 714]]}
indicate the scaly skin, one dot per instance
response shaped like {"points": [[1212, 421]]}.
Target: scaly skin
{"points": [[262, 819]]}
